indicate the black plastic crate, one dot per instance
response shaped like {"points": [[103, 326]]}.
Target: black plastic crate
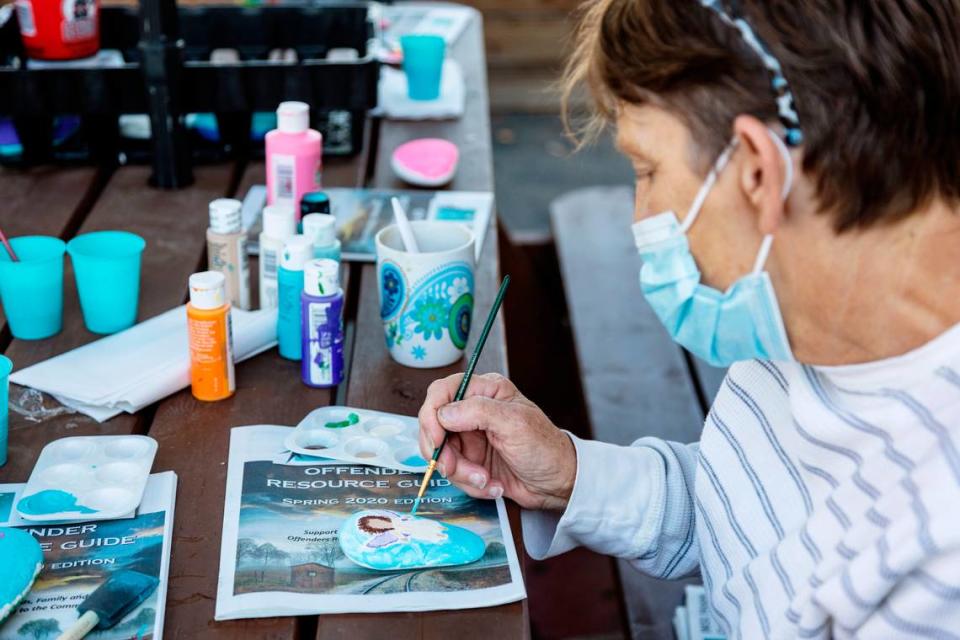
{"points": [[173, 54]]}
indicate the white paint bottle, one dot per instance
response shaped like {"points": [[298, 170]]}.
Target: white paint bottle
{"points": [[227, 251], [279, 224]]}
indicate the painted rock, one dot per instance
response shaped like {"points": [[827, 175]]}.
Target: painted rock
{"points": [[426, 162], [387, 540], [20, 561]]}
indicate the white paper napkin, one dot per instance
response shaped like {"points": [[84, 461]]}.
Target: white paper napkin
{"points": [[137, 367], [394, 102]]}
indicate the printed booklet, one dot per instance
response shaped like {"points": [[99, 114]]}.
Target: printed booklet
{"points": [[281, 554], [77, 558], [361, 213]]}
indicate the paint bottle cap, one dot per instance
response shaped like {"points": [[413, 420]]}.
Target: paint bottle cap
{"points": [[321, 277], [297, 251], [279, 221], [225, 215], [293, 117], [314, 202], [208, 290], [321, 228]]}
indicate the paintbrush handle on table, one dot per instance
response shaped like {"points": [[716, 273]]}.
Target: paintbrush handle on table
{"points": [[87, 623], [119, 594], [464, 383]]}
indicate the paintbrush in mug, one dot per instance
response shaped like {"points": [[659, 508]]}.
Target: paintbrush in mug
{"points": [[403, 224], [464, 383], [6, 245]]}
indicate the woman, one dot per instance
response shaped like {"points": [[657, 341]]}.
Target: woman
{"points": [[810, 153]]}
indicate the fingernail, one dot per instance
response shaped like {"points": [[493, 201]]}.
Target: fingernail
{"points": [[477, 480], [495, 492], [447, 413], [442, 469]]}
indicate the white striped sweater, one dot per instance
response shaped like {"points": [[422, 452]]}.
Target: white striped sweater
{"points": [[820, 501]]}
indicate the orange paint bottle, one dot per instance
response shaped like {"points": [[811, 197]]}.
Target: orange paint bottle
{"points": [[211, 343]]}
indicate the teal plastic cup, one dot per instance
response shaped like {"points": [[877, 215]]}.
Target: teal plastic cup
{"points": [[107, 267], [423, 64], [5, 368], [32, 289]]}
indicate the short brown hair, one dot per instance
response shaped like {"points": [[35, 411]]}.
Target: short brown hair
{"points": [[876, 84]]}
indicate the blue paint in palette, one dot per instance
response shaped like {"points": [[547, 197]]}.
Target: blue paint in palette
{"points": [[387, 540], [51, 501], [415, 461]]}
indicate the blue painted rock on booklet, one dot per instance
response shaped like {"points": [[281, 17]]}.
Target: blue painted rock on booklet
{"points": [[20, 561], [387, 540]]}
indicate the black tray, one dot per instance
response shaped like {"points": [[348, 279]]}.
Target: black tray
{"points": [[167, 51]]}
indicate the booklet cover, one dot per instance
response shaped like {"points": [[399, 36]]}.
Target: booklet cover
{"points": [[78, 557], [361, 213], [281, 554]]}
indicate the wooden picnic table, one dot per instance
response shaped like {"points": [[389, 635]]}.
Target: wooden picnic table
{"points": [[193, 436]]}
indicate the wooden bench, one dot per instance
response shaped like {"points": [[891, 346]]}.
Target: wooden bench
{"points": [[635, 381]]}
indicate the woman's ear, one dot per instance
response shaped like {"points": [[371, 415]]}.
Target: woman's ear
{"points": [[763, 176]]}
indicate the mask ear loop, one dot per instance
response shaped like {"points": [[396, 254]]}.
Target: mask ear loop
{"points": [[764, 251], [708, 183]]}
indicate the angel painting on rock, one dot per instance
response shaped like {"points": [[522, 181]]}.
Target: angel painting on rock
{"points": [[389, 527]]}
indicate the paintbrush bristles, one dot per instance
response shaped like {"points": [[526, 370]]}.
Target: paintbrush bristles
{"points": [[424, 484]]}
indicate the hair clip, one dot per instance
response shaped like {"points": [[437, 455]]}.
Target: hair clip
{"points": [[781, 88]]}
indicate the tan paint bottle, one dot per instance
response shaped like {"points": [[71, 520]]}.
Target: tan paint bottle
{"points": [[227, 251]]}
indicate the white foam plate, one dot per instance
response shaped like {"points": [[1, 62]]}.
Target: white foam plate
{"points": [[103, 477], [359, 435]]}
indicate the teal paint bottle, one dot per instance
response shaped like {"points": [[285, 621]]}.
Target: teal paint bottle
{"points": [[297, 251], [321, 228]]}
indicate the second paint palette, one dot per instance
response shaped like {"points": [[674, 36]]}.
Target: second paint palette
{"points": [[359, 435]]}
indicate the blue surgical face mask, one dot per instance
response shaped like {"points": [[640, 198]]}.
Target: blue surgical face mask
{"points": [[721, 327]]}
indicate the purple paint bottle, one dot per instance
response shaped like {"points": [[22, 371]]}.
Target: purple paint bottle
{"points": [[322, 309]]}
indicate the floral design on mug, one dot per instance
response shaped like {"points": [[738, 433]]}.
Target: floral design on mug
{"points": [[439, 303], [457, 289], [460, 316], [392, 290], [431, 315]]}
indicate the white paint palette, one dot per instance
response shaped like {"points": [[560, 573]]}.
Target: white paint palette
{"points": [[359, 435], [88, 478]]}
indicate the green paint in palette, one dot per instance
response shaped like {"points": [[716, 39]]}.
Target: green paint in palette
{"points": [[351, 420]]}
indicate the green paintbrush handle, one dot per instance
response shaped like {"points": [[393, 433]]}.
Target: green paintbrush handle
{"points": [[472, 364]]}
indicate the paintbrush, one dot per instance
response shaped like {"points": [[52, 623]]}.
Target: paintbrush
{"points": [[6, 244], [115, 598], [462, 390]]}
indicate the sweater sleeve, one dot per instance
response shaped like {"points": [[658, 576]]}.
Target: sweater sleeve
{"points": [[631, 502]]}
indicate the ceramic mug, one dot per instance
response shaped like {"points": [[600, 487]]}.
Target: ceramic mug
{"points": [[426, 298]]}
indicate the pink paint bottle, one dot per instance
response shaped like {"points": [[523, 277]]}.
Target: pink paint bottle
{"points": [[293, 156]]}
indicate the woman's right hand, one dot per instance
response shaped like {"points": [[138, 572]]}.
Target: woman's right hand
{"points": [[499, 443]]}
